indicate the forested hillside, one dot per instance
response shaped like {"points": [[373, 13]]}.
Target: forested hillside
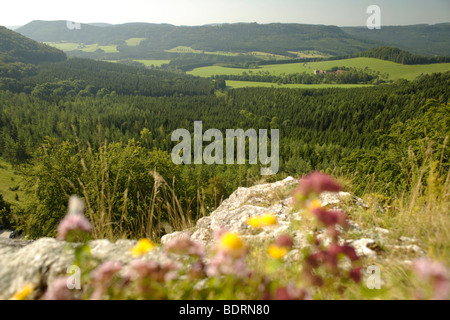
{"points": [[419, 39], [16, 48], [273, 38], [400, 56]]}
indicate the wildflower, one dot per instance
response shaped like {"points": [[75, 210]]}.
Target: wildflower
{"points": [[284, 241], [58, 290], [74, 220], [232, 244], [355, 274], [331, 218], [224, 263], [315, 204], [184, 245], [277, 252], [151, 270], [23, 293], [141, 248], [317, 183], [291, 293], [262, 221], [106, 271], [436, 273]]}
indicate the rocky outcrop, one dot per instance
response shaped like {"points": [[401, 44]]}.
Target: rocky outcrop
{"points": [[40, 262]]}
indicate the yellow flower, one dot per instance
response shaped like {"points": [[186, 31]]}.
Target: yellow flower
{"points": [[23, 293], [142, 247], [277, 252], [315, 204], [231, 243], [262, 221]]}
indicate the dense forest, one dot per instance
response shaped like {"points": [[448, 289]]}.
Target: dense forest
{"points": [[336, 75], [399, 56], [422, 39], [79, 126]]}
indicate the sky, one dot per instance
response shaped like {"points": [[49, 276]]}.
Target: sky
{"points": [[200, 12]]}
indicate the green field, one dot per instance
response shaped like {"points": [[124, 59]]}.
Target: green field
{"points": [[70, 46], [275, 69], [156, 63], [10, 180], [394, 70], [133, 42], [248, 84]]}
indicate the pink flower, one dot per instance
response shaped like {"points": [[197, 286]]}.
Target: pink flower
{"points": [[291, 293], [58, 290], [102, 276], [184, 245], [223, 263], [106, 271], [436, 273], [317, 183], [331, 218], [74, 220]]}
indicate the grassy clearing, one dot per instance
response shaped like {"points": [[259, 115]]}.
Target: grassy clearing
{"points": [[11, 184], [276, 69], [133, 42], [70, 46], [249, 84], [156, 63]]}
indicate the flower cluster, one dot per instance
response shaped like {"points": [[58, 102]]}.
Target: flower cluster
{"points": [[281, 247], [306, 196], [435, 273], [74, 221], [262, 221]]}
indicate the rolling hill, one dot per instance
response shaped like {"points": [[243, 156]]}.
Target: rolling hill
{"points": [[418, 39], [275, 38], [15, 47]]}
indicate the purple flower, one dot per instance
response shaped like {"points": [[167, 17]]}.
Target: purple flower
{"points": [[355, 274], [317, 183], [331, 218], [284, 241]]}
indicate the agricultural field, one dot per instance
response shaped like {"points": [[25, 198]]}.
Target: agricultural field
{"points": [[156, 63], [259, 54], [70, 46], [393, 70], [276, 69], [133, 42]]}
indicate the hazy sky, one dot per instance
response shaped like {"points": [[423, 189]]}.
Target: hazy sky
{"points": [[199, 12]]}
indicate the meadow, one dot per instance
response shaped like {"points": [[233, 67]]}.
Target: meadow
{"points": [[70, 46], [11, 183], [394, 70], [156, 63]]}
